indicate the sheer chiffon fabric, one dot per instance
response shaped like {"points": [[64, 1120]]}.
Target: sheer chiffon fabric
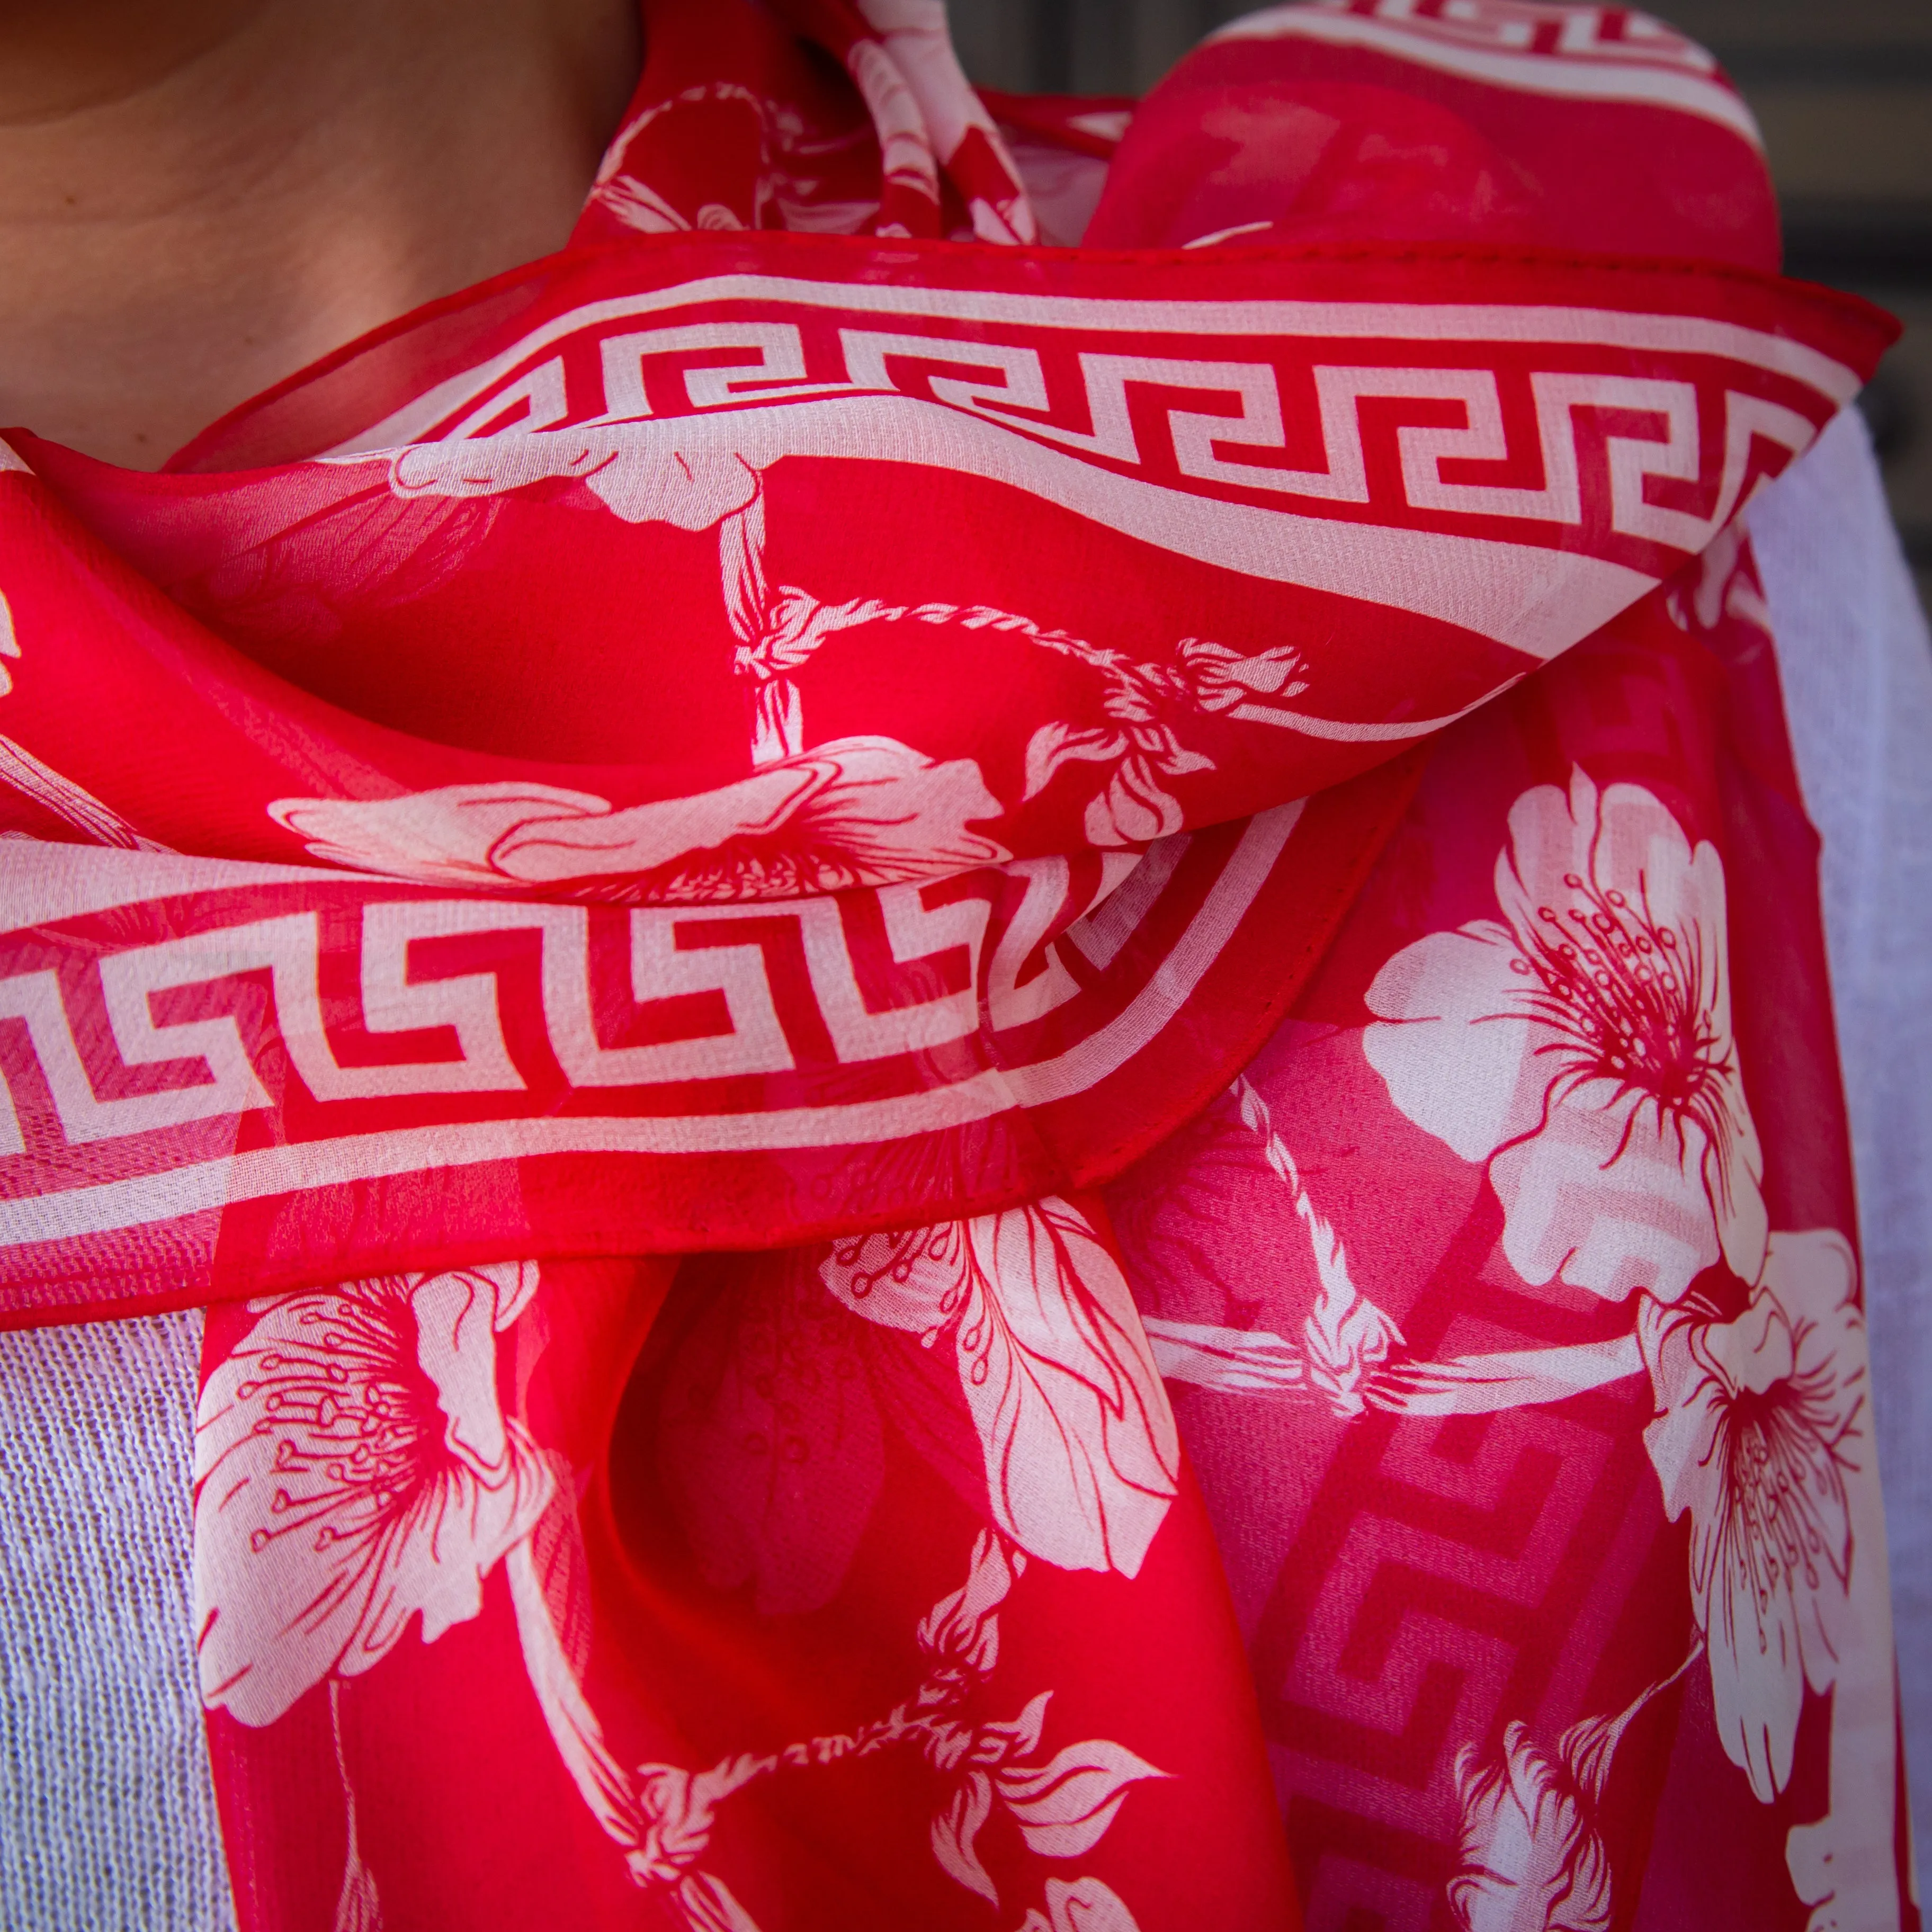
{"points": [[1003, 1077]]}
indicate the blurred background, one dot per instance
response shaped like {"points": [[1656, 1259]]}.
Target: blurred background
{"points": [[1841, 88]]}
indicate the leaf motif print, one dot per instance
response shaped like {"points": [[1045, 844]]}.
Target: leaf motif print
{"points": [[1081, 1455], [961, 1633], [1145, 705], [1136, 808], [1054, 745], [444, 836], [1582, 1049], [1064, 1807], [353, 1470], [1133, 807], [955, 1833], [661, 1820]]}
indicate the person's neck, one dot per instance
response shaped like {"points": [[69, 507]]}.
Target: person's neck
{"points": [[199, 197]]}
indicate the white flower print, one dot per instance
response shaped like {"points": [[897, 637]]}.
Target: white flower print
{"points": [[1143, 702], [353, 1469], [1582, 1048], [628, 468], [1063, 1807], [1134, 807], [1759, 1421], [1529, 1856], [1531, 1859], [855, 811], [662, 1818], [1723, 583], [916, 40], [961, 1633], [1082, 1458], [788, 191]]}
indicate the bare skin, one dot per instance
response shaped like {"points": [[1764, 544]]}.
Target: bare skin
{"points": [[199, 197]]}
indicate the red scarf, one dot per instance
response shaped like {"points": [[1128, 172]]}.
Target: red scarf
{"points": [[540, 847]]}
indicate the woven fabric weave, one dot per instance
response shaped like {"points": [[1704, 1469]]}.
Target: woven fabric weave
{"points": [[106, 1814]]}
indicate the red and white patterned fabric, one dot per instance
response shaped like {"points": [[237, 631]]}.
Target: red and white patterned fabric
{"points": [[1002, 1075]]}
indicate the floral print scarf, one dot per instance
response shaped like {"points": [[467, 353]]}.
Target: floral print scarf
{"points": [[1001, 1073]]}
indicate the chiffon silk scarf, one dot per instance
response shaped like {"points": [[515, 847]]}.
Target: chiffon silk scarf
{"points": [[1002, 1075]]}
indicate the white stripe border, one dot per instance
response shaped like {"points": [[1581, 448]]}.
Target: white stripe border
{"points": [[1573, 75], [209, 1186]]}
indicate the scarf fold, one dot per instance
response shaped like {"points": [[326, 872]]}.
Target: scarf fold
{"points": [[733, 896]]}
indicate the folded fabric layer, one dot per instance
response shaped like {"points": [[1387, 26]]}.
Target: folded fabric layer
{"points": [[921, 594], [1210, 814]]}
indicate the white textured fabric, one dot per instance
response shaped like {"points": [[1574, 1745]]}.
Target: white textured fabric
{"points": [[1856, 662], [107, 1819]]}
